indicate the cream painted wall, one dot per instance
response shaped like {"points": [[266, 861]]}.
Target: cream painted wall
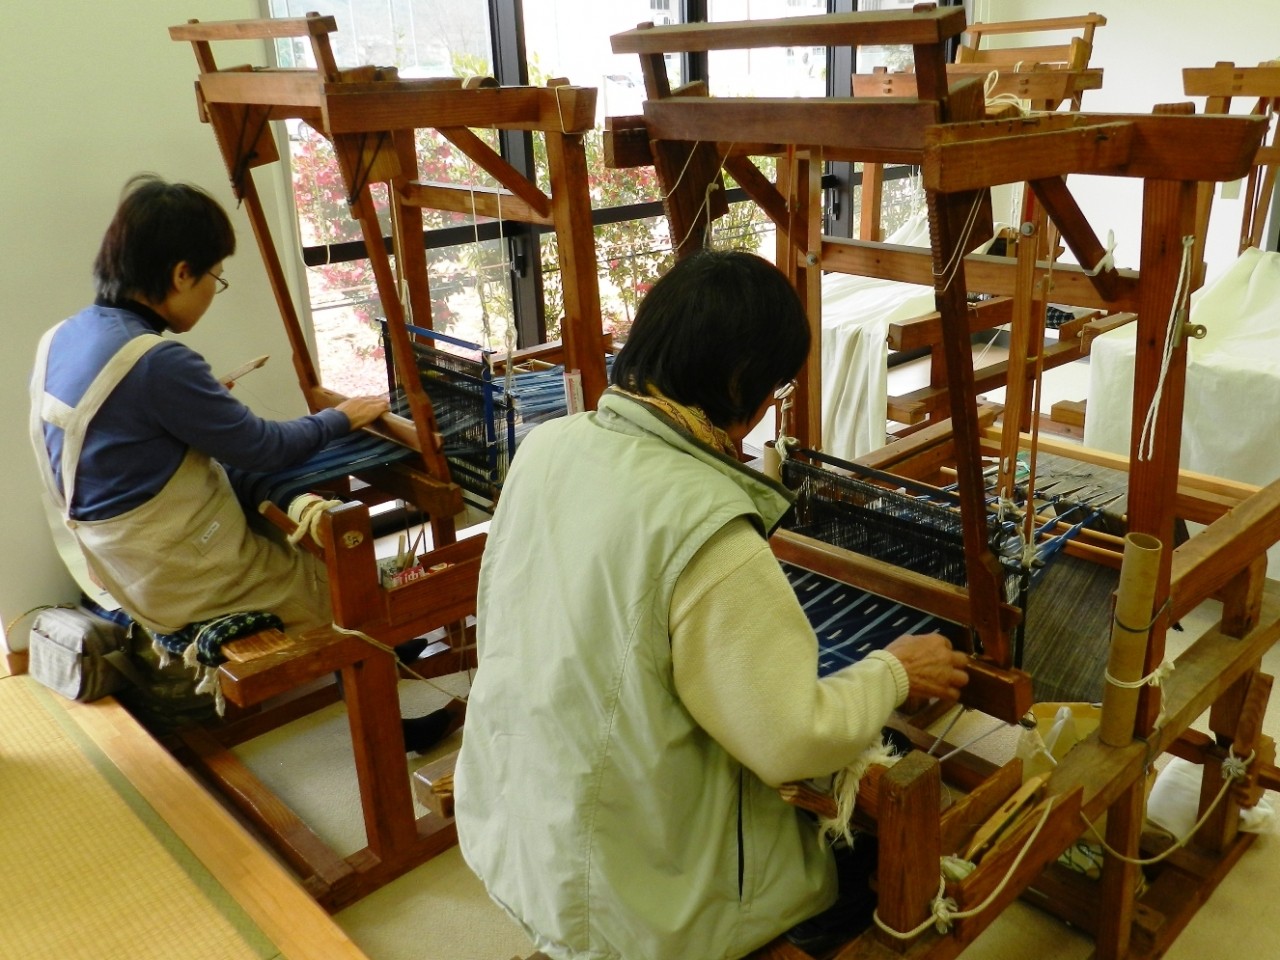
{"points": [[1142, 50], [94, 93]]}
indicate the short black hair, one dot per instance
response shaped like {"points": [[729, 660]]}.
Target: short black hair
{"points": [[721, 330], [156, 226]]}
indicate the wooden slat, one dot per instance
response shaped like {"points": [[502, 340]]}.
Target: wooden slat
{"points": [[984, 273], [309, 26], [1038, 25], [297, 843], [846, 29], [928, 400], [278, 89], [494, 164], [1206, 562], [1033, 85], [873, 127], [926, 330], [400, 104], [260, 884], [1024, 155], [1160, 146], [475, 201], [1228, 80], [883, 579]]}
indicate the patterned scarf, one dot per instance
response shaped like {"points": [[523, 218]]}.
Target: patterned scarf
{"points": [[690, 419], [203, 641]]}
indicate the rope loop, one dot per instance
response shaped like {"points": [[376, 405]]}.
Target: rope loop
{"points": [[1108, 261], [1153, 679]]}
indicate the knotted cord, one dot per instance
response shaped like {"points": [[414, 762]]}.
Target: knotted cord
{"points": [[1233, 769], [1146, 441], [944, 910]]}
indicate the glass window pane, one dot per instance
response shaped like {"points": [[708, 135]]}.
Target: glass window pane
{"points": [[894, 58], [421, 38], [570, 38], [768, 71]]}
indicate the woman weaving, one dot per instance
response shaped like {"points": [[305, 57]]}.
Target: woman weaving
{"points": [[132, 430], [646, 674]]}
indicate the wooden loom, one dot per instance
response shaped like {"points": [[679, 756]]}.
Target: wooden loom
{"points": [[1045, 78], [962, 156], [273, 677], [1220, 85], [371, 116]]}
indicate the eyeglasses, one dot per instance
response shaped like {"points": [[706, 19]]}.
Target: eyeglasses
{"points": [[222, 283]]}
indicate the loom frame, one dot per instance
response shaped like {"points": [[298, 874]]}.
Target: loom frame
{"points": [[962, 156], [370, 115]]}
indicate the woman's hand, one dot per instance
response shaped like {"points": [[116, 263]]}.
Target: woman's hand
{"points": [[362, 411], [933, 668]]}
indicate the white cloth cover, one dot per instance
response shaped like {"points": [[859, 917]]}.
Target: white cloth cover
{"points": [[1232, 403], [856, 313]]}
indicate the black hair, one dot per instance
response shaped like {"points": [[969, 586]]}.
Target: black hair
{"points": [[721, 330], [157, 226]]}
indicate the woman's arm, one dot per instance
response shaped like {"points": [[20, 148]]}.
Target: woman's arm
{"points": [[746, 666]]}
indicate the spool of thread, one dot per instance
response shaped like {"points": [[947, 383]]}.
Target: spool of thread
{"points": [[1130, 629], [771, 461]]}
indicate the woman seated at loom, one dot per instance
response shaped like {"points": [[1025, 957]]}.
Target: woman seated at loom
{"points": [[646, 675], [131, 430]]}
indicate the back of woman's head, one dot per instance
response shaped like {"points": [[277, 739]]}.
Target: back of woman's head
{"points": [[157, 226], [721, 330]]}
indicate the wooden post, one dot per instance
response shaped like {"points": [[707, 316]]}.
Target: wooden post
{"points": [[910, 833], [581, 328]]}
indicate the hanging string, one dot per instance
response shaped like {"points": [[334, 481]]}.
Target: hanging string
{"points": [[705, 206], [1147, 439], [404, 668], [948, 273], [1004, 99], [1234, 769], [944, 910], [509, 335], [364, 170], [664, 197]]}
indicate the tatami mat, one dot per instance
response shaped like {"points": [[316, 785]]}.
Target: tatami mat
{"points": [[89, 872]]}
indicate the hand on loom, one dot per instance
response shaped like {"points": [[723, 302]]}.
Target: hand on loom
{"points": [[362, 411], [933, 668]]}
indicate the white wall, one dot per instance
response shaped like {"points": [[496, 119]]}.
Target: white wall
{"points": [[1142, 50], [94, 93]]}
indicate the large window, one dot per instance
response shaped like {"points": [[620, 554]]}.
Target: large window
{"points": [[494, 281]]}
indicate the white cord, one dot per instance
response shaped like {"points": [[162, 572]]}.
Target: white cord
{"points": [[1146, 441]]}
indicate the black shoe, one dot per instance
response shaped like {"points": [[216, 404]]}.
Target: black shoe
{"points": [[423, 733]]}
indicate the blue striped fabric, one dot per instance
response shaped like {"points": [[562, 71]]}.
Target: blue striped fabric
{"points": [[849, 622]]}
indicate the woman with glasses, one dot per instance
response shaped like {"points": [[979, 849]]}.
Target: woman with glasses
{"points": [[646, 674], [132, 430]]}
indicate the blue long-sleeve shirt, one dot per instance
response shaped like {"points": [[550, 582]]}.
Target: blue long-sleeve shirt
{"points": [[169, 402]]}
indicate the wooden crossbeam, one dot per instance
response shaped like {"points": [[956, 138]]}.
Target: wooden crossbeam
{"points": [[962, 156], [885, 128], [400, 104], [840, 30]]}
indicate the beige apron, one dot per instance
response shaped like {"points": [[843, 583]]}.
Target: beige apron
{"points": [[187, 554]]}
